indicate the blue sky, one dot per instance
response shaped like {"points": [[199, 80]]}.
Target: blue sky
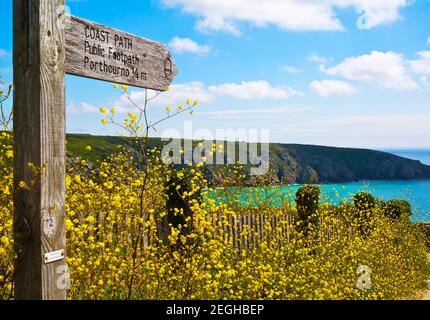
{"points": [[309, 71]]}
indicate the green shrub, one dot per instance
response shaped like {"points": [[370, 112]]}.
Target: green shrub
{"points": [[179, 193], [364, 201], [395, 209], [366, 207], [307, 203], [425, 230]]}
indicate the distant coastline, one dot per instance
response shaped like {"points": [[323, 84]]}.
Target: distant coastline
{"points": [[420, 154], [292, 163]]}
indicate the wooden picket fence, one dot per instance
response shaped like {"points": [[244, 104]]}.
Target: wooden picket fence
{"points": [[242, 231], [245, 231]]}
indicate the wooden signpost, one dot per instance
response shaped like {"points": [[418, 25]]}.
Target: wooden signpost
{"points": [[99, 52], [45, 49]]}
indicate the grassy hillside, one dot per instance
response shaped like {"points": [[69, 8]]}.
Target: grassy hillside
{"points": [[290, 163]]}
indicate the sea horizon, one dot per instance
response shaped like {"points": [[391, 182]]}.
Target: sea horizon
{"points": [[420, 154]]}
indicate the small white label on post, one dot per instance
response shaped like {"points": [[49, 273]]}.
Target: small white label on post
{"points": [[54, 256]]}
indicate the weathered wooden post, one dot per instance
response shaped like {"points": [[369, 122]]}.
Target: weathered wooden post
{"points": [[45, 48], [39, 133]]}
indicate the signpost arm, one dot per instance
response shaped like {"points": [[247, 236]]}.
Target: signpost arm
{"points": [[39, 133]]}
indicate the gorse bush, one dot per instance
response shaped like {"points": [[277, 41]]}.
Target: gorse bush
{"points": [[6, 203], [425, 229], [6, 218], [307, 203], [153, 231], [179, 190], [364, 204], [364, 201], [395, 209], [116, 250]]}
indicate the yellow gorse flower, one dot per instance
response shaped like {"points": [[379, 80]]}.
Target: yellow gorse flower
{"points": [[123, 243], [23, 185]]}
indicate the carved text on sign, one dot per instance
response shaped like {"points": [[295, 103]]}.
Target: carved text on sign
{"points": [[99, 52]]}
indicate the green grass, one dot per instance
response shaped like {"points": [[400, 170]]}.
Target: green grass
{"points": [[290, 162], [101, 146]]}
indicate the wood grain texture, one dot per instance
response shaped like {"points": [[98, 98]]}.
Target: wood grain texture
{"points": [[99, 52], [39, 133]]}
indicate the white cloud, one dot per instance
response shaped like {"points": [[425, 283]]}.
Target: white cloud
{"points": [[422, 65], [327, 88], [3, 53], [395, 120], [186, 45], [365, 130], [81, 108], [290, 69], [379, 12], [425, 81], [224, 15], [384, 69], [252, 113], [249, 90], [177, 94], [217, 24], [428, 40], [313, 57]]}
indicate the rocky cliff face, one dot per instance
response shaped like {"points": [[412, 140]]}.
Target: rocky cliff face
{"points": [[308, 164]]}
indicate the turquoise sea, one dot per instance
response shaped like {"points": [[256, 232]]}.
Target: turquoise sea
{"points": [[416, 192]]}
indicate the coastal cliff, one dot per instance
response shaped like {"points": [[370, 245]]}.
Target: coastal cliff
{"points": [[318, 164], [289, 163]]}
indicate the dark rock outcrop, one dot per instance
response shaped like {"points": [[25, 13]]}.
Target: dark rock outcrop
{"points": [[329, 164]]}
